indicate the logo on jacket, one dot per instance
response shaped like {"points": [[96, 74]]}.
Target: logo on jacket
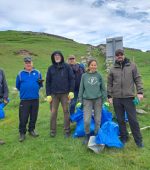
{"points": [[34, 74], [92, 80]]}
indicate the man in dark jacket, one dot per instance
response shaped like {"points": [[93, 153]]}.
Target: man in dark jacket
{"points": [[59, 88], [28, 82], [78, 70], [122, 78], [3, 92]]}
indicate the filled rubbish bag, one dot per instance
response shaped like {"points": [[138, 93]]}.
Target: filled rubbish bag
{"points": [[79, 131], [108, 135], [78, 118], [106, 115]]}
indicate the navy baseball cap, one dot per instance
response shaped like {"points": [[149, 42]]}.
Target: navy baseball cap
{"points": [[27, 59]]}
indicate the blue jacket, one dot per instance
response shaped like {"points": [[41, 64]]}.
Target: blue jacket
{"points": [[28, 84], [60, 77]]}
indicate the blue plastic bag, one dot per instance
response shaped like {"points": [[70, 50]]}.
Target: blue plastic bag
{"points": [[108, 135], [79, 131], [106, 115], [78, 118], [2, 113]]}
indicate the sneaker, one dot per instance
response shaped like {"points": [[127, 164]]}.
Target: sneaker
{"points": [[22, 137], [33, 134], [52, 134], [2, 142]]}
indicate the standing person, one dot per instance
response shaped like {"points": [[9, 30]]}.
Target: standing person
{"points": [[28, 82], [122, 78], [3, 92], [59, 89], [78, 70], [91, 94]]}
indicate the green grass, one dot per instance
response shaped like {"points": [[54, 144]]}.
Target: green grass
{"points": [[45, 153]]}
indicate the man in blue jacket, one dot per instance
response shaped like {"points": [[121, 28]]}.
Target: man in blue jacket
{"points": [[28, 82], [3, 92], [59, 89]]}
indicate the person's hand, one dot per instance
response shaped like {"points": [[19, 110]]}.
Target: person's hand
{"points": [[5, 101], [70, 95], [140, 96], [79, 104], [49, 99], [110, 100], [106, 104]]}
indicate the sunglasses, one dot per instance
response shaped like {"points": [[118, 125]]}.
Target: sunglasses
{"points": [[120, 54], [71, 58]]}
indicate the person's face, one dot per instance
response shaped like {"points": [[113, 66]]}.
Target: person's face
{"points": [[120, 57], [93, 66], [28, 65], [72, 60], [57, 58]]}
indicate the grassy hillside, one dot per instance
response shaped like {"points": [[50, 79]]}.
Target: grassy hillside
{"points": [[45, 153]]}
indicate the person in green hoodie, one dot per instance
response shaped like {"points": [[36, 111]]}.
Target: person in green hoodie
{"points": [[92, 93]]}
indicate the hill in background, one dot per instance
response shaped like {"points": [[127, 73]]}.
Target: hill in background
{"points": [[45, 152]]}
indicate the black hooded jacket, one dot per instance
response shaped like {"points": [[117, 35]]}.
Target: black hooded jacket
{"points": [[60, 77]]}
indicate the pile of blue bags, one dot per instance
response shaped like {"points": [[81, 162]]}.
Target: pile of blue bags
{"points": [[108, 132]]}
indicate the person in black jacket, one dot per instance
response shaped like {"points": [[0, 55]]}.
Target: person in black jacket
{"points": [[59, 89], [3, 92], [78, 70]]}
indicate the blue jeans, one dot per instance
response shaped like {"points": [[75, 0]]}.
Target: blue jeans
{"points": [[73, 102]]}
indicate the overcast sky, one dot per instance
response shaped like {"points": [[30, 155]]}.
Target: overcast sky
{"points": [[85, 21]]}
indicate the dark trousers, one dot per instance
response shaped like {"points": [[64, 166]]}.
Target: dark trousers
{"points": [[56, 99], [28, 108], [120, 106]]}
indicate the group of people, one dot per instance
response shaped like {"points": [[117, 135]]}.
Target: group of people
{"points": [[70, 84]]}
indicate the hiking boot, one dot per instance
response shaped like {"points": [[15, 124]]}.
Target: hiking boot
{"points": [[52, 134], [2, 142], [22, 137], [33, 134], [86, 140]]}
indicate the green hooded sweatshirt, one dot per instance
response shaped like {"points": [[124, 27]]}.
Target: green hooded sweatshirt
{"points": [[91, 87]]}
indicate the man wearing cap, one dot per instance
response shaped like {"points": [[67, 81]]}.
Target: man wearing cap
{"points": [[78, 70], [28, 82], [3, 92], [122, 79], [59, 89]]}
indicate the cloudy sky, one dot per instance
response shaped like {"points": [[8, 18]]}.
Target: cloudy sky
{"points": [[85, 21]]}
